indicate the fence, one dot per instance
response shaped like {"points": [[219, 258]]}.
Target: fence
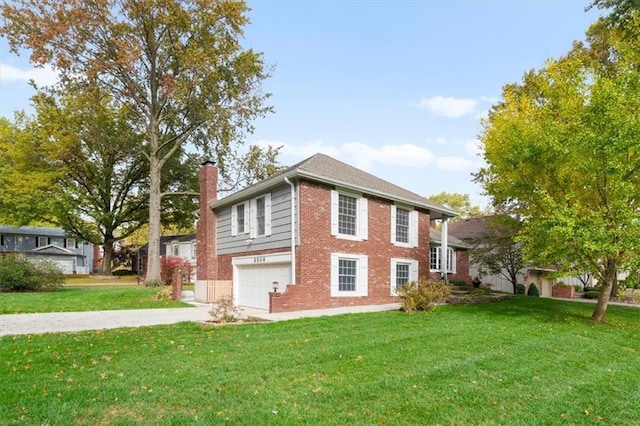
{"points": [[212, 290]]}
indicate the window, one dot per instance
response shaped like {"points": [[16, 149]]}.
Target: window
{"points": [[260, 215], [42, 241], [70, 243], [240, 219], [260, 223], [404, 227], [252, 217], [349, 215], [435, 259], [349, 275], [175, 248], [193, 249], [403, 271]]}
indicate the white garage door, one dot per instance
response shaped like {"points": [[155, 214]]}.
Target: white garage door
{"points": [[66, 266], [255, 283]]}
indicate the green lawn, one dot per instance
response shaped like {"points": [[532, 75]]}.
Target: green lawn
{"points": [[85, 298], [525, 361]]}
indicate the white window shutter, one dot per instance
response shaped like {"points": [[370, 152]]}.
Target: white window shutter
{"points": [[363, 276], [393, 276], [247, 217], [363, 219], [334, 212], [413, 271], [413, 228], [393, 224], [334, 274], [252, 222], [267, 214], [452, 256], [234, 221]]}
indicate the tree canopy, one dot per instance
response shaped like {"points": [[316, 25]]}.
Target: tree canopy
{"points": [[460, 203], [178, 65], [562, 152]]}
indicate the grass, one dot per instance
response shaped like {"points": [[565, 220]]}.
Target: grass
{"points": [[524, 361], [85, 298]]}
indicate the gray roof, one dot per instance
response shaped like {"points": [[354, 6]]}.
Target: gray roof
{"points": [[435, 236], [32, 230], [322, 168]]}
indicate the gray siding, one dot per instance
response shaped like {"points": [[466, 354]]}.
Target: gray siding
{"points": [[280, 227]]}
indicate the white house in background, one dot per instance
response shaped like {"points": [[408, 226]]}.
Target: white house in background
{"points": [[53, 244]]}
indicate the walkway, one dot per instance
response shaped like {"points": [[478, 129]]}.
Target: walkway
{"points": [[15, 324]]}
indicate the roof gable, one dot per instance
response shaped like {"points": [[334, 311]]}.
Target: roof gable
{"points": [[325, 169], [53, 249]]}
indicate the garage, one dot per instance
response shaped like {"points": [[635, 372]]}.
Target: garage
{"points": [[254, 277]]}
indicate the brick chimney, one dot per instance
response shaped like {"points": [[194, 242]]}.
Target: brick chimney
{"points": [[206, 258]]}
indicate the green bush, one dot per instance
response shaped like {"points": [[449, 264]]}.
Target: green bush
{"points": [[577, 287], [533, 290], [520, 288], [19, 274], [561, 284], [458, 283], [591, 294], [422, 295]]}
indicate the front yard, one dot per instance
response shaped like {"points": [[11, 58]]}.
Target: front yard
{"points": [[79, 298], [521, 361]]}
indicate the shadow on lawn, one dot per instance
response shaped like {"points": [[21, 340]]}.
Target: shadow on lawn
{"points": [[526, 308]]}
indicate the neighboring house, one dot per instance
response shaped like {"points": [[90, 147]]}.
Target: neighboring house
{"points": [[468, 230], [321, 233], [183, 246], [53, 244]]}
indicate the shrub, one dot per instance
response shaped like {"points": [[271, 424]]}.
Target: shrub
{"points": [[577, 287], [169, 265], [561, 284], [422, 295], [520, 288], [19, 274], [591, 294], [225, 311], [476, 282], [533, 290], [458, 283]]}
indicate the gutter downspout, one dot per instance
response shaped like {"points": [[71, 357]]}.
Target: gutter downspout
{"points": [[293, 233]]}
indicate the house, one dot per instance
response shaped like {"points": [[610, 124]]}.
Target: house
{"points": [[183, 246], [468, 230], [52, 244], [319, 234]]}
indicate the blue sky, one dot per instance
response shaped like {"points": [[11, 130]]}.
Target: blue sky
{"points": [[396, 88]]}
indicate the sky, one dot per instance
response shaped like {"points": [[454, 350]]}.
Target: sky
{"points": [[396, 88]]}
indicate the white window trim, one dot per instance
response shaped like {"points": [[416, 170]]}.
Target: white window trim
{"points": [[362, 220], [362, 278], [46, 241], [70, 243], [413, 226], [413, 272], [451, 255]]}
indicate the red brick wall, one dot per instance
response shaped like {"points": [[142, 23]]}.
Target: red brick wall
{"points": [[207, 261], [313, 260]]}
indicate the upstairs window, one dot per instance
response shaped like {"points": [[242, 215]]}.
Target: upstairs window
{"points": [[260, 220], [42, 241], [240, 219], [70, 243], [260, 216], [175, 248], [404, 227], [349, 215]]}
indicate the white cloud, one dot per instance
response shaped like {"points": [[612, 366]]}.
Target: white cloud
{"points": [[359, 154], [45, 76], [472, 147], [448, 106]]}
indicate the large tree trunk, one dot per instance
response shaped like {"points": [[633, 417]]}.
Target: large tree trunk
{"points": [[610, 276], [153, 260], [107, 258]]}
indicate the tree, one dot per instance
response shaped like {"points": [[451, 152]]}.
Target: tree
{"points": [[459, 203], [496, 250], [178, 64], [562, 151], [90, 173]]}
